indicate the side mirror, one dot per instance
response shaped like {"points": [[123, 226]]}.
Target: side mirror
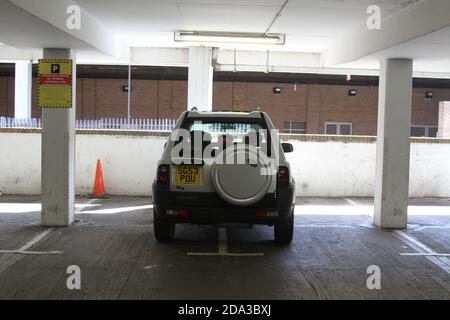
{"points": [[287, 147]]}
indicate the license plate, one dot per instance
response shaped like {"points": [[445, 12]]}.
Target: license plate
{"points": [[188, 175]]}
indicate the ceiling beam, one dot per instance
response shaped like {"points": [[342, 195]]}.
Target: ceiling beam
{"points": [[8, 53], [256, 61], [44, 24], [412, 22]]}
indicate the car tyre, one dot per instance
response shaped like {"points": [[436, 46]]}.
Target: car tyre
{"points": [[284, 230], [164, 231]]}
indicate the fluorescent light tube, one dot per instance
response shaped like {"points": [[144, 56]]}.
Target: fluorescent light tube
{"points": [[229, 37]]}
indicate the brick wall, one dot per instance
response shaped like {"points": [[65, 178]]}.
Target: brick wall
{"points": [[7, 96], [444, 119], [314, 104]]}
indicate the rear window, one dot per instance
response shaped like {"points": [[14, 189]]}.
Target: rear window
{"points": [[217, 128]]}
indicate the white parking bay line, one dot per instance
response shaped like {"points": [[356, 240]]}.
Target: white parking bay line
{"points": [[441, 261], [10, 258], [352, 202], [85, 205], [36, 239], [223, 248], [31, 252], [228, 254], [223, 241], [426, 254]]}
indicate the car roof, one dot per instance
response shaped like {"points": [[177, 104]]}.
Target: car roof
{"points": [[224, 114]]}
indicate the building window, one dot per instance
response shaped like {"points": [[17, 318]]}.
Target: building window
{"points": [[294, 127], [424, 131], [338, 128]]}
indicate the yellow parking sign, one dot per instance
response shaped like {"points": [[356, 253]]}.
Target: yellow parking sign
{"points": [[55, 83]]}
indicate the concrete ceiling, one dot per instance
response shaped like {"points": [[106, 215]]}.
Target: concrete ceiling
{"points": [[310, 26], [333, 30], [431, 53]]}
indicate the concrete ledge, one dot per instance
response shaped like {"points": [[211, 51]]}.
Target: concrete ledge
{"points": [[94, 132], [326, 138], [283, 137], [430, 140]]}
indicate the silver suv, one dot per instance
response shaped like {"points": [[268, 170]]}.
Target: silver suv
{"points": [[224, 168]]}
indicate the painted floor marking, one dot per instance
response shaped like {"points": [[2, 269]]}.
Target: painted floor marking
{"points": [[31, 252], [324, 225], [223, 241], [441, 261], [426, 254], [352, 202], [438, 259], [10, 257], [432, 227], [85, 205], [357, 204], [223, 248]]}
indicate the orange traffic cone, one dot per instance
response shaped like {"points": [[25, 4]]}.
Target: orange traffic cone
{"points": [[99, 187]]}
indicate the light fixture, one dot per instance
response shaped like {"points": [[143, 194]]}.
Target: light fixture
{"points": [[229, 37], [429, 95], [352, 92], [277, 90]]}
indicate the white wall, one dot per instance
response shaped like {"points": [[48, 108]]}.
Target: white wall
{"points": [[333, 169], [325, 169], [128, 163], [430, 170]]}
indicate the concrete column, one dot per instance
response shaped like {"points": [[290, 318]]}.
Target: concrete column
{"points": [[58, 157], [22, 93], [444, 120], [393, 144], [200, 79]]}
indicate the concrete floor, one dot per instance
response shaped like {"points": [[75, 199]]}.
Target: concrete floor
{"points": [[334, 244]]}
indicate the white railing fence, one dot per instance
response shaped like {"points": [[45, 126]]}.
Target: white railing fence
{"points": [[98, 124]]}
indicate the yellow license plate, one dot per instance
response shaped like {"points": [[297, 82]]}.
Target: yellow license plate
{"points": [[188, 175]]}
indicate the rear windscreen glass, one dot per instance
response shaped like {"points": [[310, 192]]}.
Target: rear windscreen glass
{"points": [[238, 130]]}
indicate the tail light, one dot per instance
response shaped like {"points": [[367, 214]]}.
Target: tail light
{"points": [[183, 213], [163, 174], [261, 214], [283, 176]]}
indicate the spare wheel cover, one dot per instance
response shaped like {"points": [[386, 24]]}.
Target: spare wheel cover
{"points": [[241, 184]]}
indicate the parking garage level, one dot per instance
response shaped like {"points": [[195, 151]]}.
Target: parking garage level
{"points": [[335, 242]]}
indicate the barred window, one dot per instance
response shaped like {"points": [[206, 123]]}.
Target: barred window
{"points": [[294, 127], [339, 128], [424, 131]]}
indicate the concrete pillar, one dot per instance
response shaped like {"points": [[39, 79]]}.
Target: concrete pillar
{"points": [[444, 120], [22, 93], [58, 157], [393, 144], [200, 79]]}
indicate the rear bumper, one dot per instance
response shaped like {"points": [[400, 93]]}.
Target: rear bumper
{"points": [[279, 209]]}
